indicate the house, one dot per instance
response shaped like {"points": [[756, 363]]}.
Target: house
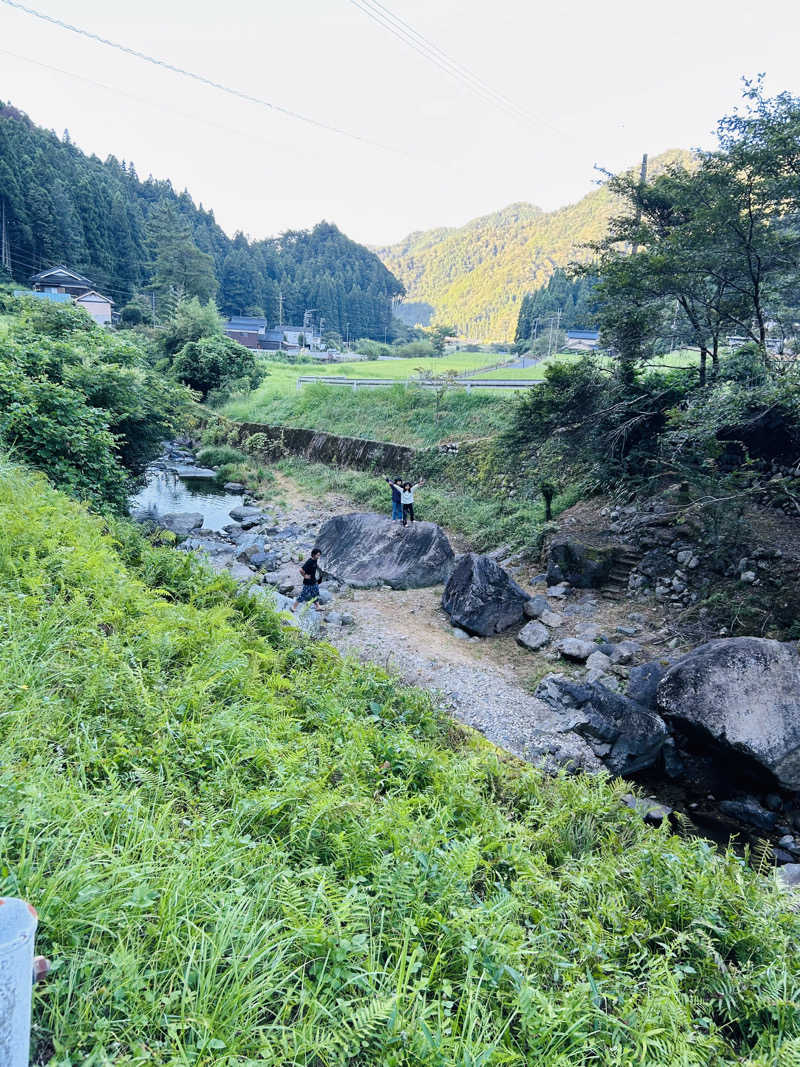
{"points": [[253, 332], [60, 280], [583, 340], [98, 306], [248, 330], [60, 285]]}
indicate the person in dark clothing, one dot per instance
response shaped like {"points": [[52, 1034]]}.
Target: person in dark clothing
{"points": [[311, 573], [397, 507]]}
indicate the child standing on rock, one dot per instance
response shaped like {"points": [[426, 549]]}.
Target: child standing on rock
{"points": [[406, 490]]}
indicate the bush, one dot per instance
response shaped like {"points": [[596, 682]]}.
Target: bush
{"points": [[217, 455], [132, 315], [191, 321], [372, 349], [82, 404], [212, 361]]}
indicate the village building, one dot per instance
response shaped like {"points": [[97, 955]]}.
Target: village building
{"points": [[58, 285], [254, 332]]}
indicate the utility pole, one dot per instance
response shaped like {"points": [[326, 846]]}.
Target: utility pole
{"points": [[642, 183], [280, 308], [5, 249]]}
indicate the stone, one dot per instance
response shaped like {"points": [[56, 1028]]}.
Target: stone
{"points": [[602, 717], [551, 619], [787, 841], [180, 522], [535, 606], [643, 683], [750, 812], [240, 573], [773, 802], [481, 597], [364, 550], [462, 635], [244, 511], [649, 809], [250, 521], [584, 566], [748, 576], [657, 563], [195, 472], [347, 620], [598, 662], [333, 618], [684, 556], [325, 596], [624, 652], [743, 694], [533, 636], [575, 648], [789, 875], [559, 591], [285, 587], [234, 487], [589, 631]]}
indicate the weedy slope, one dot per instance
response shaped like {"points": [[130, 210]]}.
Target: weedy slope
{"points": [[244, 850]]}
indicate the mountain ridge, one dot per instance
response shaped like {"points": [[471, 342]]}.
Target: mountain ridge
{"points": [[475, 275]]}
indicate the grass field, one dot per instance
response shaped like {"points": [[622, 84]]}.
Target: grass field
{"points": [[245, 850]]}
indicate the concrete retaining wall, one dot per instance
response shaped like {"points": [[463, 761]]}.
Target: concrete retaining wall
{"points": [[272, 442]]}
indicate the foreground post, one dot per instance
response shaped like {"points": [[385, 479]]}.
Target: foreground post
{"points": [[17, 929]]}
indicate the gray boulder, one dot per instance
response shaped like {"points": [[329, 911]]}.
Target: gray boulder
{"points": [[533, 636], [195, 472], [364, 550], [626, 736], [743, 693], [481, 597], [584, 566], [574, 648], [535, 606], [244, 511], [180, 522]]}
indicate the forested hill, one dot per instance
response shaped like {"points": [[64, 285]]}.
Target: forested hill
{"points": [[476, 275], [133, 237]]}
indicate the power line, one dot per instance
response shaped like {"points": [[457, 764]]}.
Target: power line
{"points": [[139, 99], [405, 32], [201, 78]]}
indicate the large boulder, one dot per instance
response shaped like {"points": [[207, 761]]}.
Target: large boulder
{"points": [[365, 550], [481, 597], [625, 735], [180, 522], [583, 566], [743, 693]]}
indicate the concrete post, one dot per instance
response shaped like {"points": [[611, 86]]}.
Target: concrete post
{"points": [[17, 930]]}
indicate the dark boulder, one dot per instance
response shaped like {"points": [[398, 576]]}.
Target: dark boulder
{"points": [[583, 566], [481, 597], [625, 735], [643, 683], [742, 694], [365, 550], [657, 563]]}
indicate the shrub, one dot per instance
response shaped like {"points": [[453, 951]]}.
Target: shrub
{"points": [[207, 364], [82, 404], [216, 455]]}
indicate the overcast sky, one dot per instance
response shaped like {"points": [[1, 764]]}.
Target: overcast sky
{"points": [[602, 83]]}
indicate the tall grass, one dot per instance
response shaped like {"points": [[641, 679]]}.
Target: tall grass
{"points": [[245, 850]]}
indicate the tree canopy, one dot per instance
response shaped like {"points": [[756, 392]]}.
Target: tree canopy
{"points": [[141, 237]]}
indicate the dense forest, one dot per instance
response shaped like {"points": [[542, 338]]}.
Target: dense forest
{"points": [[141, 241], [571, 299], [476, 275]]}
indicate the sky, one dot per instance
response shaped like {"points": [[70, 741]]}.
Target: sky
{"points": [[598, 85]]}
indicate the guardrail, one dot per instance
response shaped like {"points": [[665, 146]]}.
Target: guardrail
{"points": [[424, 383]]}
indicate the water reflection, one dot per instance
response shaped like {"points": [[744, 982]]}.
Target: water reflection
{"points": [[165, 492]]}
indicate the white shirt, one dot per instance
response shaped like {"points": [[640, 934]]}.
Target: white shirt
{"points": [[407, 496]]}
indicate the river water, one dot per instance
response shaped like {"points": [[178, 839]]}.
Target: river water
{"points": [[164, 492]]}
